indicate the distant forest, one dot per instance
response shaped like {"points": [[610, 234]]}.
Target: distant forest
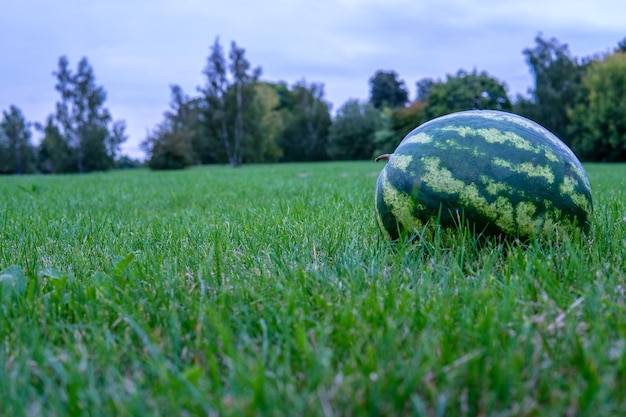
{"points": [[236, 118]]}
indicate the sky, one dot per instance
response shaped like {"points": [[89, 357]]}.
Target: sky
{"points": [[139, 48]]}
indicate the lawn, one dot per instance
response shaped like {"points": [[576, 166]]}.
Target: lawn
{"points": [[268, 290]]}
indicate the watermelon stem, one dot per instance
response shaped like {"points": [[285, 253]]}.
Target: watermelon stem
{"points": [[384, 156]]}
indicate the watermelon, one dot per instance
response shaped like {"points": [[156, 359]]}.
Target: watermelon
{"points": [[499, 173]]}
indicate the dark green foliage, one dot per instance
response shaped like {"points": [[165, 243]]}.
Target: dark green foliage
{"points": [[170, 151], [265, 111], [94, 150], [242, 94], [126, 162], [352, 133], [405, 119], [17, 155], [462, 91], [423, 88], [598, 123], [229, 119], [183, 119], [55, 155], [82, 123], [215, 127], [170, 145], [238, 119], [306, 122], [466, 91], [396, 124], [386, 90], [558, 86]]}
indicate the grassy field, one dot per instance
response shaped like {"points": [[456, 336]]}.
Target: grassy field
{"points": [[268, 290]]}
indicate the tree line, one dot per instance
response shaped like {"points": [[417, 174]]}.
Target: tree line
{"points": [[80, 136], [237, 118]]}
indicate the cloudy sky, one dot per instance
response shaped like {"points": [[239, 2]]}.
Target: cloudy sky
{"points": [[138, 48]]}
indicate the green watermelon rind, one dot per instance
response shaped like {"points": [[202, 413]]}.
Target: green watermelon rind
{"points": [[503, 173]]}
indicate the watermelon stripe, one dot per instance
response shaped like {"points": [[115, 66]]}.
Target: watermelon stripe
{"points": [[479, 146]]}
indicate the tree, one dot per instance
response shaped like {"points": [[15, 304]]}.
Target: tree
{"points": [[306, 117], [598, 127], [127, 162], [263, 145], [423, 88], [243, 84], [385, 137], [168, 149], [558, 85], [214, 99], [386, 90], [170, 144], [396, 123], [82, 120], [352, 133], [5, 154], [466, 91], [55, 155], [16, 151], [405, 119], [228, 98], [184, 119], [115, 138]]}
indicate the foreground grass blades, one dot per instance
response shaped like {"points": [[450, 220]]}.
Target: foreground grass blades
{"points": [[268, 290]]}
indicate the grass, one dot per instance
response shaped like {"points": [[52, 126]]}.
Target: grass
{"points": [[268, 290]]}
